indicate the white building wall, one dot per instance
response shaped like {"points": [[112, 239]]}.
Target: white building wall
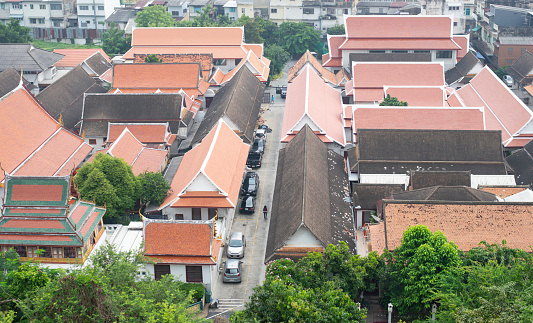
{"points": [[180, 273], [303, 238], [92, 13], [448, 62], [36, 14], [286, 10]]}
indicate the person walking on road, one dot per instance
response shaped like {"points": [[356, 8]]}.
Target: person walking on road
{"points": [[272, 101], [265, 211]]}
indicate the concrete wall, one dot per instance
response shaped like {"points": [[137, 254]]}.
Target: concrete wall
{"points": [[508, 54]]}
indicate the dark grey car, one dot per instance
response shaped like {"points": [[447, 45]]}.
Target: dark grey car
{"points": [[232, 271]]}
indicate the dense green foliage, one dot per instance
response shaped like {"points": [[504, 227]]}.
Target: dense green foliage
{"points": [[114, 41], [108, 289], [109, 182], [154, 188], [392, 101], [296, 38], [153, 59], [278, 58], [154, 16], [336, 30], [490, 283], [13, 32], [318, 288]]}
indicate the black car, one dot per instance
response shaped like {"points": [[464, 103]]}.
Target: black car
{"points": [[250, 184], [259, 146], [247, 205], [254, 160]]}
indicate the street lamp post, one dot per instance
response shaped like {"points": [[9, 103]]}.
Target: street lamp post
{"points": [[390, 312], [433, 311]]}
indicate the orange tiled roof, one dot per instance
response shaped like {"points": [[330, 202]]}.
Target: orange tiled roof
{"points": [[464, 224], [150, 160], [256, 48], [307, 58], [74, 56], [218, 52], [399, 44], [418, 96], [218, 76], [408, 27], [174, 76], [177, 239], [107, 76], [417, 118], [369, 79], [463, 41], [307, 96], [504, 191], [126, 147], [36, 193], [188, 36], [144, 132], [253, 63], [206, 60], [334, 42], [221, 149], [503, 110], [28, 132]]}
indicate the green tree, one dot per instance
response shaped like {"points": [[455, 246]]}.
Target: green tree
{"points": [[109, 289], [416, 266], [153, 59], [154, 16], [296, 38], [206, 18], [392, 101], [109, 181], [154, 188], [336, 30], [252, 30], [13, 32], [114, 41], [278, 58], [500, 72], [277, 301], [269, 32]]}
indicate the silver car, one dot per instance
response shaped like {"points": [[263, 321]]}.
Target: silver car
{"points": [[232, 271], [508, 80], [236, 245]]}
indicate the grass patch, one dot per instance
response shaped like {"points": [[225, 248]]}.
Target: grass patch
{"points": [[277, 76], [52, 45]]}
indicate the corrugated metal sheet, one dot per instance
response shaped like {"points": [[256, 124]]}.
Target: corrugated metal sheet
{"points": [[65, 33]]}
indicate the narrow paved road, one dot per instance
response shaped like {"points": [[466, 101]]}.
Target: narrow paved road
{"points": [[255, 227]]}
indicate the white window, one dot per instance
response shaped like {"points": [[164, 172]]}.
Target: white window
{"points": [[16, 6], [101, 8], [57, 23], [33, 20], [31, 6], [32, 252], [42, 6], [273, 10], [40, 21], [243, 10], [84, 7], [57, 252], [309, 11], [56, 7]]}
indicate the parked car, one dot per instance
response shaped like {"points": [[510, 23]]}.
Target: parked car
{"points": [[280, 89], [247, 205], [250, 184], [232, 271], [508, 80], [258, 146], [261, 134], [284, 93], [236, 245], [254, 160]]}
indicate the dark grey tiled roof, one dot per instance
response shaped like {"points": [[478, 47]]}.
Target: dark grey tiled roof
{"points": [[521, 161], [445, 193], [366, 196], [401, 151], [27, 57], [65, 96], [9, 80], [301, 198], [240, 100], [461, 69], [99, 109], [522, 67], [121, 15], [390, 57], [98, 63], [423, 179]]}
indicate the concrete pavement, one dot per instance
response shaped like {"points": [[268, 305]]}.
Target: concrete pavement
{"points": [[255, 227]]}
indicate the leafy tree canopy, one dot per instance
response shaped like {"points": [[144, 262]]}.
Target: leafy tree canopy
{"points": [[392, 101], [154, 188], [109, 181], [296, 38], [154, 16], [114, 41], [415, 267], [278, 58], [153, 59], [336, 30], [13, 32]]}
